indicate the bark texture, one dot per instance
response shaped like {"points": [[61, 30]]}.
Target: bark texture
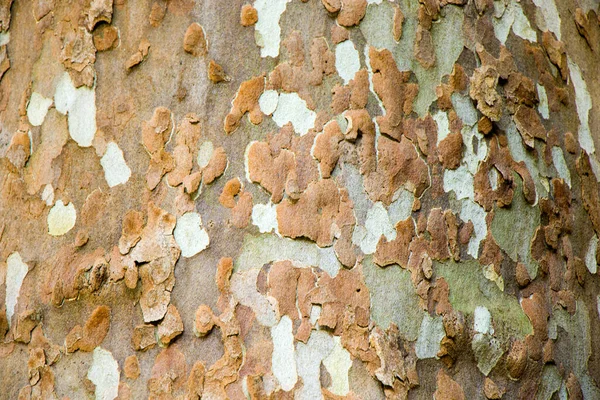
{"points": [[279, 199]]}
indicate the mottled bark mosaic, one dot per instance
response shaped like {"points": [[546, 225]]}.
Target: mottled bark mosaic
{"points": [[306, 199]]}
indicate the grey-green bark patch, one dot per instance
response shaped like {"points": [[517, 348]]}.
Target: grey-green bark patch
{"points": [[535, 166], [430, 335], [448, 43], [393, 298], [487, 350], [262, 249], [550, 383], [513, 228], [578, 328], [469, 288]]}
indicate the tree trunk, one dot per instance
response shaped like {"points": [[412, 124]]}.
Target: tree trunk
{"points": [[307, 199]]}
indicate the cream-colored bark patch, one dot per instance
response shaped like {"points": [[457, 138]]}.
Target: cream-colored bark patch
{"points": [[338, 363], [482, 320], [37, 108], [291, 108], [283, 360], [262, 249], [79, 104], [590, 255], [205, 153], [443, 125], [48, 195], [471, 211], [308, 361], [267, 30], [543, 105], [243, 287], [16, 270], [104, 373], [583, 101], [347, 61], [264, 216], [558, 158], [189, 234], [510, 15], [61, 218], [268, 101], [377, 223], [116, 171], [550, 15]]}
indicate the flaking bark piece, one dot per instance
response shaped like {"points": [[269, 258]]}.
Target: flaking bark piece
{"points": [[291, 286], [392, 87], [183, 161], [589, 190], [216, 166], [93, 332], [447, 388], [170, 327], [351, 12], [450, 150], [131, 231], [131, 368], [156, 253], [398, 165], [483, 90], [491, 389], [269, 170], [157, 131], [157, 12], [194, 41], [106, 37], [161, 162], [223, 275], [312, 215], [248, 15], [26, 322], [99, 11], [585, 26], [359, 90], [37, 360], [230, 190], [195, 382], [19, 149], [556, 52], [139, 56], [516, 360], [339, 34], [204, 321], [216, 73], [529, 125], [521, 90], [342, 297], [386, 344], [78, 56], [398, 22], [144, 337], [423, 48], [191, 183], [326, 149], [241, 213], [436, 226], [246, 101], [168, 373], [396, 251], [484, 125]]}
